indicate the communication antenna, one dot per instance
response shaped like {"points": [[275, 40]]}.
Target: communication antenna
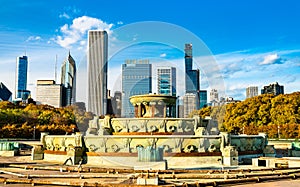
{"points": [[55, 68]]}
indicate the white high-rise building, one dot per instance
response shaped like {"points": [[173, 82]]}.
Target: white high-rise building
{"points": [[214, 96], [97, 71], [166, 80], [49, 93], [251, 91], [190, 103]]}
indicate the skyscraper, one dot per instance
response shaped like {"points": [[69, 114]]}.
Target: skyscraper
{"points": [[117, 103], [21, 91], [136, 80], [49, 93], [203, 98], [5, 94], [68, 80], [251, 91], [214, 96], [190, 103], [166, 80], [97, 72], [275, 89], [192, 77]]}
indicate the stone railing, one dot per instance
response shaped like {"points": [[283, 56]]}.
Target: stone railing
{"points": [[61, 142], [154, 125], [249, 142], [146, 125], [170, 143]]}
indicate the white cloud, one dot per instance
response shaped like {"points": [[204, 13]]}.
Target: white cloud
{"points": [[163, 55], [83, 42], [242, 69], [71, 34], [120, 23], [64, 15], [271, 59], [33, 38]]}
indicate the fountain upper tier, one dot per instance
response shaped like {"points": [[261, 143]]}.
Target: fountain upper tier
{"points": [[153, 106]]}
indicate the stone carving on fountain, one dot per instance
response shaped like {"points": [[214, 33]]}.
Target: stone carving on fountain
{"points": [[156, 128]]}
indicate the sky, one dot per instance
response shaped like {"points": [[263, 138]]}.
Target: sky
{"points": [[236, 44]]}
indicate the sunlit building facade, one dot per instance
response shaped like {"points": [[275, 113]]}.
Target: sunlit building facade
{"points": [[49, 93], [190, 103], [251, 91], [97, 72]]}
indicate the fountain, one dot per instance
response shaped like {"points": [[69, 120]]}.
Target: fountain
{"points": [[153, 136]]}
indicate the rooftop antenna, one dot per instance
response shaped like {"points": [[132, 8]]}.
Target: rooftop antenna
{"points": [[55, 73]]}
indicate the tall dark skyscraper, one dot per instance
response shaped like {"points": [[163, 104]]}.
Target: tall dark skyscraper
{"points": [[97, 72], [136, 80], [5, 94], [203, 98], [68, 80], [192, 77], [21, 91]]}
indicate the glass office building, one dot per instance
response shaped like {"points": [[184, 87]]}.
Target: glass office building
{"points": [[136, 80], [21, 91], [68, 80], [166, 80], [203, 98], [5, 93]]}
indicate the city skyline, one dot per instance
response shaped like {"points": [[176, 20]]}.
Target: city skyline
{"points": [[250, 50]]}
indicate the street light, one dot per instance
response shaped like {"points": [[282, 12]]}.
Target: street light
{"points": [[34, 132], [278, 131]]}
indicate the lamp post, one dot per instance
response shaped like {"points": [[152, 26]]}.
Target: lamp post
{"points": [[278, 131], [34, 132]]}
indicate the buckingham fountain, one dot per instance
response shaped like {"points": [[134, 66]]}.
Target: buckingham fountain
{"points": [[154, 138]]}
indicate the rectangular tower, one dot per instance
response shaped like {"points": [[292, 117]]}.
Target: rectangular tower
{"points": [[136, 80], [49, 93], [190, 103], [21, 91], [203, 98], [97, 72], [166, 81], [251, 91], [274, 89]]}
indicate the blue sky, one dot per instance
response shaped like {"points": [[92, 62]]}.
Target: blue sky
{"points": [[252, 42]]}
